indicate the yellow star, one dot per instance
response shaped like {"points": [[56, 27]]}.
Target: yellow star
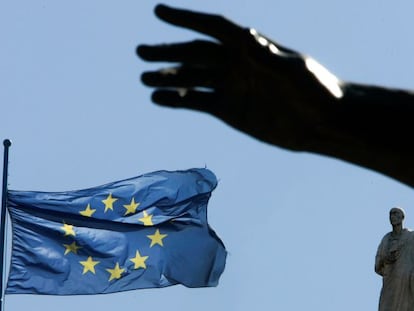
{"points": [[115, 272], [109, 202], [147, 219], [68, 229], [156, 238], [89, 265], [71, 248], [131, 208], [139, 261], [88, 212]]}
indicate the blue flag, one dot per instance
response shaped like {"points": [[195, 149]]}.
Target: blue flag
{"points": [[144, 232]]}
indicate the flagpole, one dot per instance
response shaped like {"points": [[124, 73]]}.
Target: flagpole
{"points": [[6, 144]]}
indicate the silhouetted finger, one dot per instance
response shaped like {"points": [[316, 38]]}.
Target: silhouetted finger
{"points": [[189, 52], [191, 99], [213, 25], [185, 76]]}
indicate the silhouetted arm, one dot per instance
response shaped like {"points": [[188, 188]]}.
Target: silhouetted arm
{"points": [[372, 127], [280, 96], [379, 259]]}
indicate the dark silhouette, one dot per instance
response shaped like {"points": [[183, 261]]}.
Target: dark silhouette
{"points": [[394, 262], [280, 96]]}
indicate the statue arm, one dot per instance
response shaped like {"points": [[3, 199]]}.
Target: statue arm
{"points": [[280, 96], [379, 265], [371, 127], [379, 260]]}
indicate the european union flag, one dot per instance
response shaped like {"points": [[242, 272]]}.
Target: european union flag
{"points": [[144, 232]]}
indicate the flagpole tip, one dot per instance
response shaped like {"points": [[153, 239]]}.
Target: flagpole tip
{"points": [[7, 143]]}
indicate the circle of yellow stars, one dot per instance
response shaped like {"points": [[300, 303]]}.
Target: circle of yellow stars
{"points": [[138, 260], [131, 208]]}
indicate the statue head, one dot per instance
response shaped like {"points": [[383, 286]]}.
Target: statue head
{"points": [[397, 216]]}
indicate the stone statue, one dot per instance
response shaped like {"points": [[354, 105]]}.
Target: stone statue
{"points": [[395, 263], [280, 96]]}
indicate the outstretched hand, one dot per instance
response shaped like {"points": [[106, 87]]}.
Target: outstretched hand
{"points": [[280, 96], [257, 86]]}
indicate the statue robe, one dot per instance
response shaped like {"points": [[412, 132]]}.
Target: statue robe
{"points": [[395, 262]]}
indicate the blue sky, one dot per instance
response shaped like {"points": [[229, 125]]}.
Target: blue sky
{"points": [[301, 230]]}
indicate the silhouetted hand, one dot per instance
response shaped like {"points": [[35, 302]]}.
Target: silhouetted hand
{"points": [[280, 96], [241, 77], [392, 256]]}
